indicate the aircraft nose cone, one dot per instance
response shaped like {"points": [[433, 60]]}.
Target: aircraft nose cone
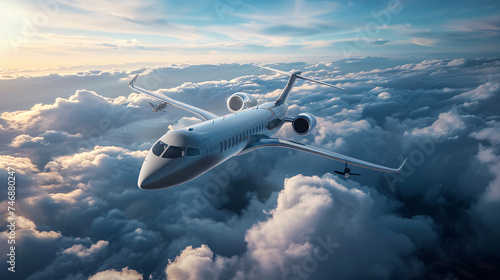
{"points": [[147, 183], [149, 176], [159, 175], [158, 180]]}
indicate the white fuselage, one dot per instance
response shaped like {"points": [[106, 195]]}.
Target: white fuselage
{"points": [[183, 154]]}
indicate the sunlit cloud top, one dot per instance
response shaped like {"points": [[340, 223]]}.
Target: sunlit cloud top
{"points": [[52, 33]]}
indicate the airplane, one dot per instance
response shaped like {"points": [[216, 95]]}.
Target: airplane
{"points": [[181, 155], [159, 107], [347, 172]]}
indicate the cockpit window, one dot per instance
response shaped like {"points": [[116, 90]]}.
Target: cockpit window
{"points": [[174, 152], [159, 148], [192, 152]]}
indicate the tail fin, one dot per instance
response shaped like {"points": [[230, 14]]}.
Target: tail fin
{"points": [[293, 77]]}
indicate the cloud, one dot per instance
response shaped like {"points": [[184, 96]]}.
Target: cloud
{"points": [[484, 212], [490, 133], [196, 263], [69, 198], [384, 95], [446, 124], [45, 139], [124, 274], [80, 251], [426, 42], [380, 42], [26, 227], [22, 164], [64, 114], [484, 24], [295, 238], [329, 128], [482, 92]]}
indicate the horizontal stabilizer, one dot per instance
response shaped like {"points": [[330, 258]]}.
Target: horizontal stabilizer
{"points": [[343, 173], [297, 74]]}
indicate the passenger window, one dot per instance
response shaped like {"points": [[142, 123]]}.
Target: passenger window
{"points": [[159, 148], [193, 152], [173, 152]]}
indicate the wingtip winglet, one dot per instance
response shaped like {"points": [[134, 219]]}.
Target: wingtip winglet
{"points": [[402, 164], [132, 82]]}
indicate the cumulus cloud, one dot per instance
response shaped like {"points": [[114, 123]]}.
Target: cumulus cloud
{"points": [[64, 114], [124, 274], [384, 95], [196, 263], [483, 212], [482, 92], [80, 251], [22, 164], [490, 133], [446, 124], [26, 227], [295, 240], [329, 128], [45, 139]]}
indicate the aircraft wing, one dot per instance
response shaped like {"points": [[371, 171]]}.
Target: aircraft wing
{"points": [[206, 115], [273, 142]]}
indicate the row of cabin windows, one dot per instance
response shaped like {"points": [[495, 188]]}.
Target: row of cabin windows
{"points": [[242, 136]]}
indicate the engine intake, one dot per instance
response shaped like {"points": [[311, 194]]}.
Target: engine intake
{"points": [[239, 101], [304, 123]]}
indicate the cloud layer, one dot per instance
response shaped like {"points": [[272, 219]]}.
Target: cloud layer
{"points": [[272, 213]]}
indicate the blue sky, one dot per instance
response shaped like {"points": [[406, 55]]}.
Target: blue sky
{"points": [[37, 34]]}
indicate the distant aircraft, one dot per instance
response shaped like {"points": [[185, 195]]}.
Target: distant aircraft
{"points": [[159, 107], [181, 155], [347, 172]]}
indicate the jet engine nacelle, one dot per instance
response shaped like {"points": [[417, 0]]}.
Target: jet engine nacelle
{"points": [[239, 101], [304, 123]]}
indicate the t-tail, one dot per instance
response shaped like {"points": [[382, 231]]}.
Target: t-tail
{"points": [[293, 77]]}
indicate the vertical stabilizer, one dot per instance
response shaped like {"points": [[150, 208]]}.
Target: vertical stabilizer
{"points": [[286, 91]]}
